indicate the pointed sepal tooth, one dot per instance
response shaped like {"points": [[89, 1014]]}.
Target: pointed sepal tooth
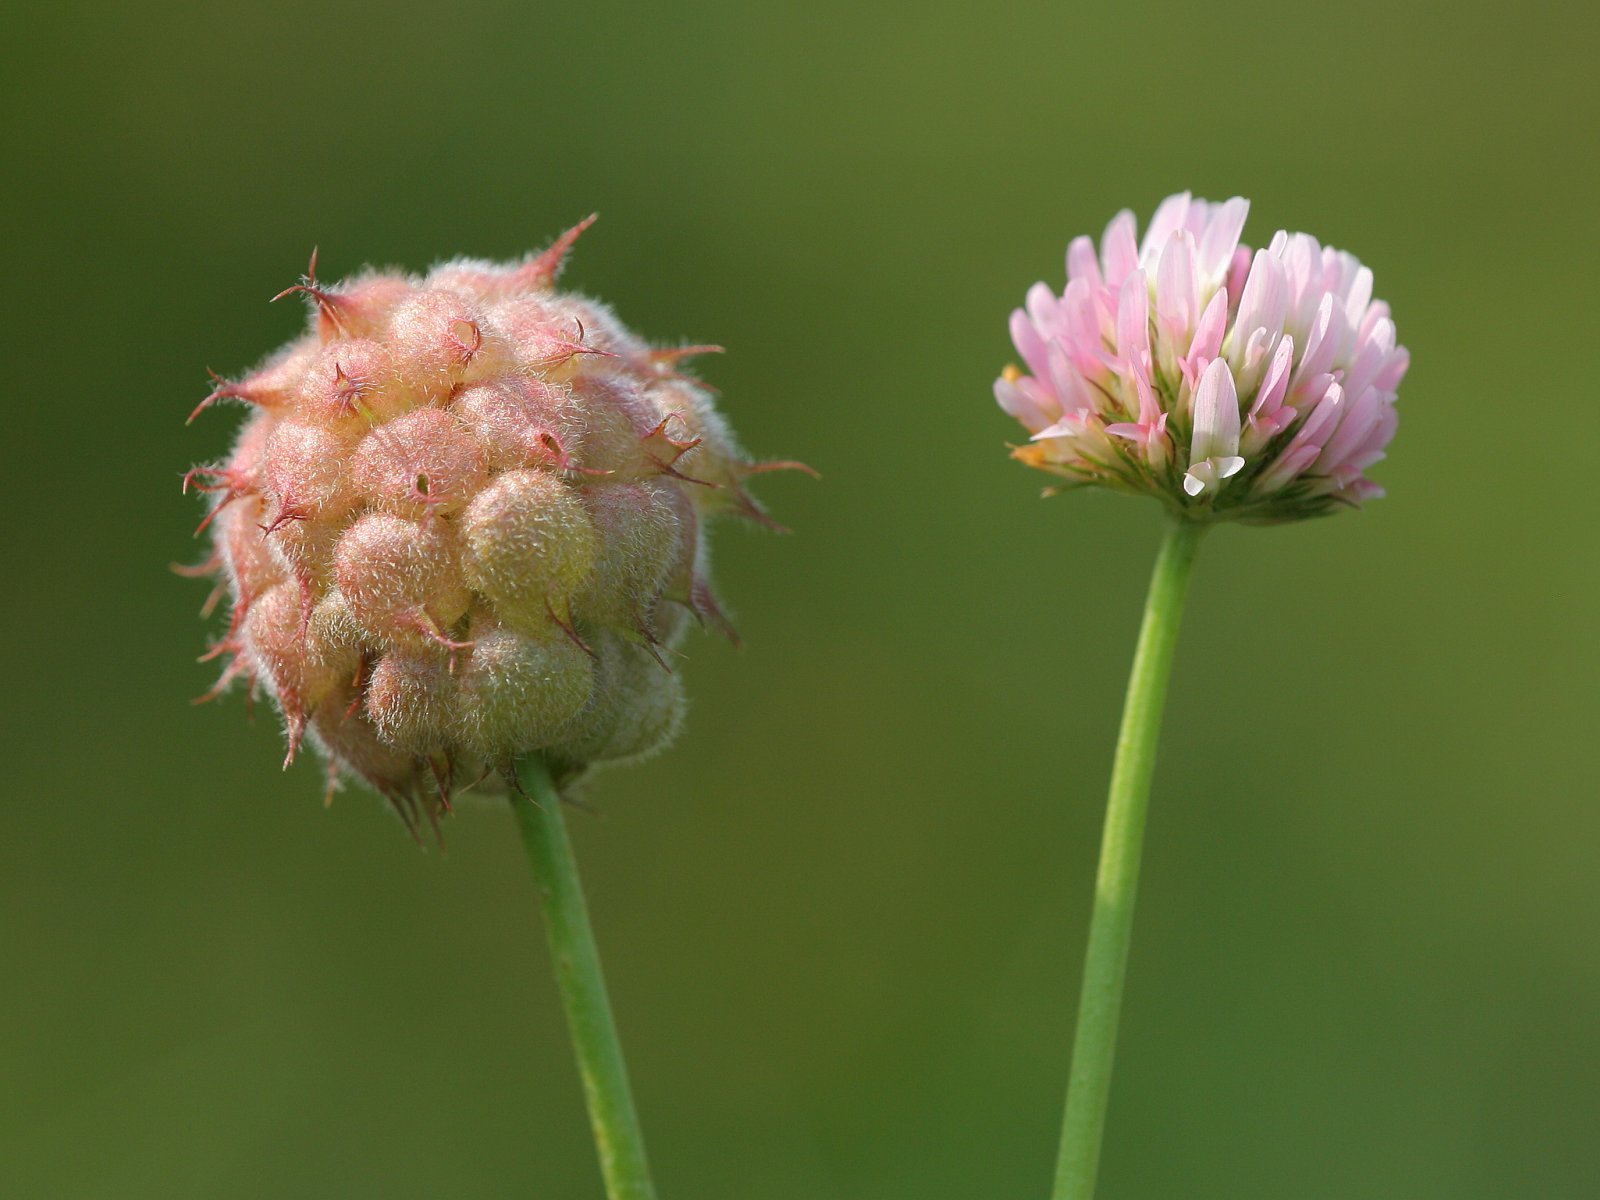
{"points": [[541, 271]]}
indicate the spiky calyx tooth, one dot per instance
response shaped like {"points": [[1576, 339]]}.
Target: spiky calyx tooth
{"points": [[718, 461], [424, 462], [242, 475], [689, 585], [688, 407], [539, 272], [271, 387], [730, 495], [519, 690], [249, 457], [355, 308], [491, 281], [669, 623], [528, 547], [498, 281], [454, 524]]}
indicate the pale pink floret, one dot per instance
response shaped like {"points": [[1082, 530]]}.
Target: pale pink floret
{"points": [[1214, 450], [1231, 384]]}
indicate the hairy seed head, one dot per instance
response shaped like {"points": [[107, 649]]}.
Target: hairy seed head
{"points": [[464, 522]]}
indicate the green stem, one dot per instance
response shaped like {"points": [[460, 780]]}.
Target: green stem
{"points": [[583, 987], [1117, 883]]}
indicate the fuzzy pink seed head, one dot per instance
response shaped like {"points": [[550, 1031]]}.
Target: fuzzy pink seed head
{"points": [[1231, 384], [464, 521]]}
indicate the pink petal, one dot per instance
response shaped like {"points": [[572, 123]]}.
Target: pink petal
{"points": [[1238, 272], [1358, 297], [1149, 406], [1372, 352], [1360, 419], [1082, 262], [1080, 330], [1265, 300], [1302, 263], [1209, 332], [1324, 417], [1275, 385], [1041, 304], [1216, 415], [1393, 371], [1294, 460], [1220, 238], [1320, 342], [1028, 343], [1119, 249], [1177, 288], [1133, 325], [1171, 215], [1017, 402]]}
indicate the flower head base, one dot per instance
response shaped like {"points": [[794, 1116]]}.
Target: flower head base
{"points": [[465, 521], [1230, 385]]}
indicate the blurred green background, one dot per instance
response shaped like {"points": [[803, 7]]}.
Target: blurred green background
{"points": [[843, 918]]}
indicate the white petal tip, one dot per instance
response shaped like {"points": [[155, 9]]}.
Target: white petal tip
{"points": [[1229, 467], [1059, 429]]}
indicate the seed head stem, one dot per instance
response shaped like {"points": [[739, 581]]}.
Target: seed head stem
{"points": [[583, 987]]}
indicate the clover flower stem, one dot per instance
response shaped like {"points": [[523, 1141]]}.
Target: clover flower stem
{"points": [[583, 989], [1117, 882]]}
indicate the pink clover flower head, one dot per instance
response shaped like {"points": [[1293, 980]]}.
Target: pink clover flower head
{"points": [[1230, 384], [464, 520]]}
